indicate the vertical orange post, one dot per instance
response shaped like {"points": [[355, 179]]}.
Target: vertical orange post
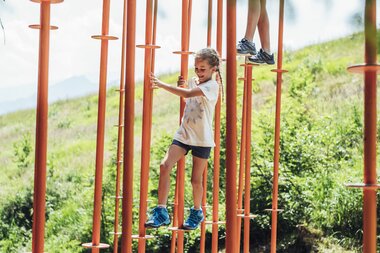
{"points": [[96, 245], [39, 196], [204, 198], [276, 159], [189, 11], [215, 189], [209, 23], [370, 131], [242, 154], [120, 131], [178, 214], [175, 215], [154, 31], [180, 181], [370, 68], [146, 125], [231, 134], [181, 164], [204, 203], [129, 119], [247, 187]]}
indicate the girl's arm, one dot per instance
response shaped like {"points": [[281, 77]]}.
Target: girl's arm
{"points": [[179, 91]]}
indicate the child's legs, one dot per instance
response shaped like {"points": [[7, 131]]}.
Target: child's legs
{"points": [[263, 27], [172, 156], [254, 7], [199, 164]]}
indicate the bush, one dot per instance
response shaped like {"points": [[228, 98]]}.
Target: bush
{"points": [[16, 221], [23, 152]]}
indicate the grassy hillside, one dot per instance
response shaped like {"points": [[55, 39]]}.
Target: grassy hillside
{"points": [[320, 146]]}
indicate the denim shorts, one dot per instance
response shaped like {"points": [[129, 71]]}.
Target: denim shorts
{"points": [[201, 152]]}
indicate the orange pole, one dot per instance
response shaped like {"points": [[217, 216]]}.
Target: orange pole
{"points": [[370, 131], [277, 130], [215, 189], [247, 187], [180, 212], [189, 11], [41, 131], [175, 215], [120, 130], [231, 134], [154, 31], [219, 27], [204, 203], [186, 17], [209, 23], [146, 127], [370, 68], [153, 51], [242, 158], [100, 130], [129, 119], [204, 199]]}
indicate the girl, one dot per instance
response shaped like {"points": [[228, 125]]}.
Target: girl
{"points": [[195, 134]]}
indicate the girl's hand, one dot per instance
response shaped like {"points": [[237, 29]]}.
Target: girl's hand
{"points": [[154, 81], [181, 82]]}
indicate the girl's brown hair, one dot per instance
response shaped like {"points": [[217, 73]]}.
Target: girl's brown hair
{"points": [[212, 57]]}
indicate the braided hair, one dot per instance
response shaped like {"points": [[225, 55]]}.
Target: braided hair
{"points": [[212, 57]]}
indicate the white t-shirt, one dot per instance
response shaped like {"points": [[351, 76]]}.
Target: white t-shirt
{"points": [[196, 125]]}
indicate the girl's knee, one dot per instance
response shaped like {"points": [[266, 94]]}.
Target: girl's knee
{"points": [[165, 167], [196, 182]]}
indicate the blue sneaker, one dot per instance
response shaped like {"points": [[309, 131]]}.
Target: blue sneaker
{"points": [[194, 219], [159, 217], [262, 57], [245, 47]]}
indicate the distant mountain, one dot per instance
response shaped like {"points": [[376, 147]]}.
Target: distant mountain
{"points": [[19, 104], [16, 92], [72, 87]]}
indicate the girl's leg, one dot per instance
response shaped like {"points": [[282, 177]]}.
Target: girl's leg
{"points": [[199, 164], [263, 27], [172, 156], [252, 18]]}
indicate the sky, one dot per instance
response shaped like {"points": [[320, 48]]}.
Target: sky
{"points": [[74, 53]]}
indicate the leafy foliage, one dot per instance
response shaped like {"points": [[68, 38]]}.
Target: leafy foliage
{"points": [[22, 152]]}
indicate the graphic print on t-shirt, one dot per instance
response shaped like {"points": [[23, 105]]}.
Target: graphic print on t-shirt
{"points": [[193, 111]]}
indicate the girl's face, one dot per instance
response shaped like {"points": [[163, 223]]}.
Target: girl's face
{"points": [[203, 70]]}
